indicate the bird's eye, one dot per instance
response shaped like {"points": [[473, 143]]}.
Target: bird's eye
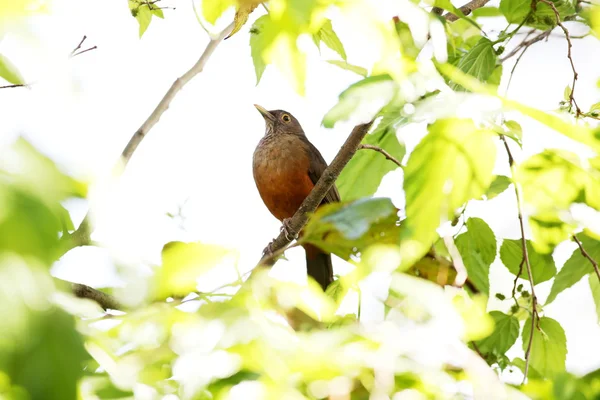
{"points": [[286, 118]]}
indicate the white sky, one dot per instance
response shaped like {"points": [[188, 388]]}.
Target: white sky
{"points": [[82, 112]]}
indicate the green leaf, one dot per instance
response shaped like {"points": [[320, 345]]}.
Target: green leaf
{"points": [[479, 62], [158, 12], [542, 265], [213, 9], [477, 248], [260, 39], [499, 185], [327, 35], [349, 67], [515, 10], [361, 95], [143, 16], [184, 263], [451, 165], [348, 228], [576, 267], [514, 131], [595, 288], [364, 172], [506, 331], [9, 72], [548, 348]]}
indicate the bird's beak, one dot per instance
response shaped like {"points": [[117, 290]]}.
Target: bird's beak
{"points": [[266, 114]]}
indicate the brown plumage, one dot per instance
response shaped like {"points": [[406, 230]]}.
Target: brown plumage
{"points": [[286, 167]]}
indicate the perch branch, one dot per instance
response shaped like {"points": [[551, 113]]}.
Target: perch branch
{"points": [[105, 300], [586, 255], [466, 9], [382, 151], [534, 312], [311, 202], [82, 235]]}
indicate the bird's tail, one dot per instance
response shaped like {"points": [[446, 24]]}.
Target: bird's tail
{"points": [[318, 265]]}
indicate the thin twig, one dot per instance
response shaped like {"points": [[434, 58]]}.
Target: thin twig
{"points": [[586, 255], [79, 45], [466, 9], [572, 101], [382, 151], [312, 201], [84, 51], [82, 235], [526, 43], [14, 86], [105, 300], [534, 312]]}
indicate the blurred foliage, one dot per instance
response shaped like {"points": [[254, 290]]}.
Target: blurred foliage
{"points": [[259, 337]]}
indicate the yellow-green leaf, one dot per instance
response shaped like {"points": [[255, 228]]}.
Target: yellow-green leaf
{"points": [[548, 348], [242, 13], [9, 72]]}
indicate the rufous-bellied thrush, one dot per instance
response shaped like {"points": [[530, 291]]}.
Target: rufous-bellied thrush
{"points": [[286, 167]]}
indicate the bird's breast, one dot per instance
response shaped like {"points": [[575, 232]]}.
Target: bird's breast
{"points": [[280, 167]]}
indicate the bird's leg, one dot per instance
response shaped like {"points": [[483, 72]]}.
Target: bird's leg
{"points": [[268, 251], [285, 228]]}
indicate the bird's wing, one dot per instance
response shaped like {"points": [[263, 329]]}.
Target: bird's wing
{"points": [[315, 170]]}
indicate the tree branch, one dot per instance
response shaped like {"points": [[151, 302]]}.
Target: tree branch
{"points": [[534, 312], [312, 201], [466, 9], [82, 235], [105, 300], [572, 101], [382, 151], [586, 255]]}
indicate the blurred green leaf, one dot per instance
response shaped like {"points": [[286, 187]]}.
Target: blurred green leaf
{"points": [[515, 10], [260, 38], [37, 337], [506, 331], [328, 36], [9, 72], [542, 265], [477, 248], [184, 263], [548, 230], [450, 166], [576, 267], [514, 131], [549, 346], [595, 288], [479, 62], [213, 9], [486, 12], [349, 67], [345, 228], [554, 179], [380, 88], [498, 185], [363, 173]]}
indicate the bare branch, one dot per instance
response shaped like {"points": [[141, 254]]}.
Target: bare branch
{"points": [[586, 255], [82, 235], [572, 101], [14, 86], [295, 224], [105, 300], [466, 9], [78, 46], [526, 43], [534, 312], [382, 151], [84, 51]]}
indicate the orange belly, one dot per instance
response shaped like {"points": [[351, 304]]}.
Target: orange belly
{"points": [[282, 179]]}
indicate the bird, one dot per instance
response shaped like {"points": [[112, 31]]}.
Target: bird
{"points": [[286, 166]]}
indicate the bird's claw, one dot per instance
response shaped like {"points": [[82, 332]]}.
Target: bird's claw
{"points": [[285, 228], [268, 251]]}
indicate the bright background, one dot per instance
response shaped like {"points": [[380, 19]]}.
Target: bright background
{"points": [[82, 112]]}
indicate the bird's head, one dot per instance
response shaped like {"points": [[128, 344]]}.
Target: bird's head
{"points": [[279, 122]]}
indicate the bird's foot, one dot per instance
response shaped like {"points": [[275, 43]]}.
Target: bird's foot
{"points": [[268, 251], [285, 228]]}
